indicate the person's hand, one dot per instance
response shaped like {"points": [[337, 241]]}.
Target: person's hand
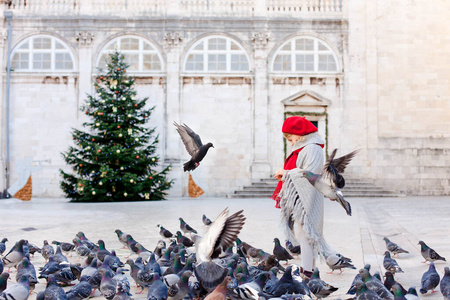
{"points": [[279, 174]]}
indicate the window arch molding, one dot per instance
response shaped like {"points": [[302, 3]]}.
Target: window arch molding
{"points": [[230, 57], [306, 54], [141, 53], [43, 52]]}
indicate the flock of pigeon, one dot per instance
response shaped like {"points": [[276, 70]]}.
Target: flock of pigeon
{"points": [[185, 265]]}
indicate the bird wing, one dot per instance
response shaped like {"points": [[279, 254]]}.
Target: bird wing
{"points": [[340, 163], [345, 204], [190, 139], [209, 239]]}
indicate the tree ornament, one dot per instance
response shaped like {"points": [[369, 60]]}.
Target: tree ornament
{"points": [[114, 109], [118, 126], [150, 177], [121, 168], [131, 180], [136, 139], [97, 124], [113, 83], [93, 192], [129, 115], [130, 131], [81, 165], [117, 151], [125, 194], [120, 135], [99, 150], [118, 69], [93, 139], [137, 156], [100, 183], [147, 196]]}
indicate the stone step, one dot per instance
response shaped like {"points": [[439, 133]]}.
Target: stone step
{"points": [[354, 187]]}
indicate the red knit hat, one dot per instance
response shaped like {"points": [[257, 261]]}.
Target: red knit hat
{"points": [[298, 126]]}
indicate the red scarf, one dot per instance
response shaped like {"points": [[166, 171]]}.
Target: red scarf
{"points": [[289, 164]]}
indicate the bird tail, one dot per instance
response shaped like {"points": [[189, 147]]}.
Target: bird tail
{"points": [[189, 166], [345, 204], [210, 274]]}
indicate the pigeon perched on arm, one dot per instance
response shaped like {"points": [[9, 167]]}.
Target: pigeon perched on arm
{"points": [[393, 247], [325, 187], [194, 146], [221, 234], [428, 253], [430, 280]]}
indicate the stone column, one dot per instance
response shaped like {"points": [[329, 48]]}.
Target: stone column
{"points": [[85, 58], [3, 49], [172, 141], [260, 166]]}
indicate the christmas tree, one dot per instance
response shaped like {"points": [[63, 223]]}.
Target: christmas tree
{"points": [[115, 159]]}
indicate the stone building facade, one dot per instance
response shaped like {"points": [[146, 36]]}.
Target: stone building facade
{"points": [[373, 75]]}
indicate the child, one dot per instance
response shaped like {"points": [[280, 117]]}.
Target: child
{"points": [[301, 204]]}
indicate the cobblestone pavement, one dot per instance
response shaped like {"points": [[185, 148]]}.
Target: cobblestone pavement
{"points": [[405, 220]]}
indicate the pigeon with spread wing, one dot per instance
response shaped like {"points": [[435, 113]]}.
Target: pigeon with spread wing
{"points": [[194, 146]]}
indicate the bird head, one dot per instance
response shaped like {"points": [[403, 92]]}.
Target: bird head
{"points": [[387, 254], [209, 145]]}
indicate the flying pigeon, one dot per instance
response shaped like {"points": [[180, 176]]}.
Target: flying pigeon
{"points": [[337, 261], [393, 247], [430, 280], [81, 290], [324, 186], [428, 253], [186, 228], [194, 146], [318, 287], [391, 264], [280, 252], [445, 284], [334, 166], [221, 234], [18, 291]]}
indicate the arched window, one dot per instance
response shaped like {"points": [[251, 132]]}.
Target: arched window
{"points": [[305, 55], [42, 53], [139, 54], [216, 54]]}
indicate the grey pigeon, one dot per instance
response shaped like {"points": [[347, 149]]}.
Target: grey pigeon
{"points": [[122, 236], [318, 287], [220, 235], [121, 279], [336, 261], [131, 244], [293, 250], [430, 279], [32, 248], [102, 251], [143, 252], [445, 284], [181, 239], [391, 264], [1, 266], [389, 282], [3, 246], [428, 253], [158, 289], [193, 145], [81, 290], [186, 228], [26, 268], [15, 255], [107, 285], [323, 185], [85, 241], [164, 233], [280, 252], [121, 293], [206, 221], [375, 285], [47, 250], [53, 291], [3, 281], [286, 285], [335, 166], [18, 291], [50, 267], [364, 293], [59, 256], [141, 275], [352, 289], [252, 287], [412, 294], [65, 276], [65, 247], [179, 290], [80, 249], [393, 247], [398, 292]]}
